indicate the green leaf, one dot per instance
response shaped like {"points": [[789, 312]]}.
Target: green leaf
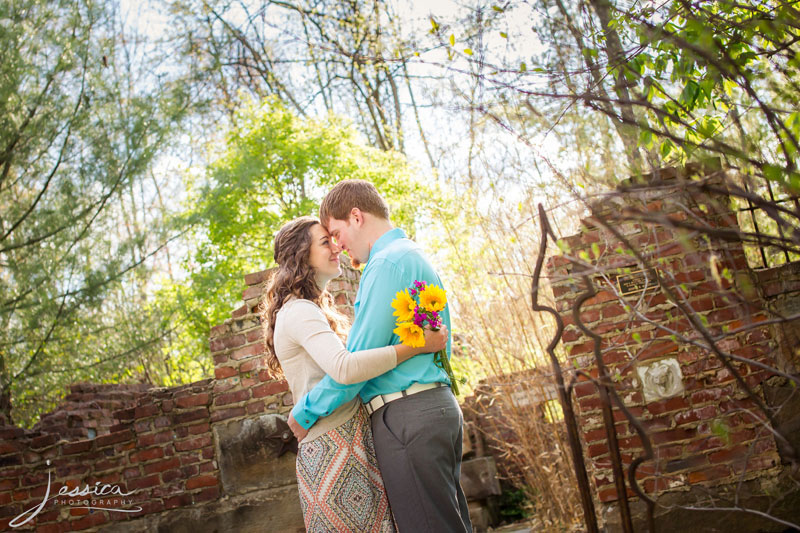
{"points": [[503, 35], [523, 67], [498, 9], [721, 430], [468, 51], [452, 39], [773, 173]]}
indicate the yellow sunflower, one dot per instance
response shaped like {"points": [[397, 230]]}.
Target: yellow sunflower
{"points": [[433, 298], [404, 306], [410, 334]]}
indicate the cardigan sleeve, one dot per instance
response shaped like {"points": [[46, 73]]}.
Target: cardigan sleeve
{"points": [[308, 327]]}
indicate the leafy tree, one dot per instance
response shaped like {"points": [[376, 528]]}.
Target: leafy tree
{"points": [[276, 166], [77, 139]]}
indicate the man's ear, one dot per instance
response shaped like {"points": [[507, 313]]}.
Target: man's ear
{"points": [[357, 216]]}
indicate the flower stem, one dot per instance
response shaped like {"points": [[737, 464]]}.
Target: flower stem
{"points": [[444, 363]]}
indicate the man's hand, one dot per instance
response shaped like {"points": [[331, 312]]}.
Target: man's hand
{"points": [[299, 431]]}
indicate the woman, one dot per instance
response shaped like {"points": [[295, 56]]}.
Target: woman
{"points": [[341, 488]]}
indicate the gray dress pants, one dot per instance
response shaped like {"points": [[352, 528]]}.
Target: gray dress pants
{"points": [[418, 444]]}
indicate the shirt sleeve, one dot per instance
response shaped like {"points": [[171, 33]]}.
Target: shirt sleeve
{"points": [[311, 330], [372, 328], [322, 400]]}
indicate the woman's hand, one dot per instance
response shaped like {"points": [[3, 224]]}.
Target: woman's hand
{"points": [[434, 340]]}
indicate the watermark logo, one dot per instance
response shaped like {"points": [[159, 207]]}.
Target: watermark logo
{"points": [[104, 495]]}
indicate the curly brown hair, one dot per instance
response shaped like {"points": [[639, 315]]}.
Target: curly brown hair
{"points": [[294, 277]]}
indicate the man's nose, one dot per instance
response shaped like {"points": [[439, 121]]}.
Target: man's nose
{"points": [[335, 247]]}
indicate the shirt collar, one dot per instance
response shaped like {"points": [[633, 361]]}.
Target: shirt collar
{"points": [[385, 239]]}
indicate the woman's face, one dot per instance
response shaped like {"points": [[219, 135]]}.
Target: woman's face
{"points": [[323, 255]]}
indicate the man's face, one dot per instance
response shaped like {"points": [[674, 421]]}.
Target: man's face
{"points": [[348, 235]]}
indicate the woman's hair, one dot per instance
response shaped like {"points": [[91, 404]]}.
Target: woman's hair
{"points": [[294, 277]]}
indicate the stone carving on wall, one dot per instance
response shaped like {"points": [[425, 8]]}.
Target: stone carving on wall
{"points": [[661, 379]]}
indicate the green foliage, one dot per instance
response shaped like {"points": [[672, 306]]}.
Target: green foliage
{"points": [[514, 504], [76, 140], [276, 167]]}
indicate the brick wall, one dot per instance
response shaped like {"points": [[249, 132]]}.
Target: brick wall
{"points": [[195, 457], [703, 427]]}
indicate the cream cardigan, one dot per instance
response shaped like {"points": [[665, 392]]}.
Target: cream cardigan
{"points": [[307, 349]]}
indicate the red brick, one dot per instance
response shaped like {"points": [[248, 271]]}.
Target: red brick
{"points": [[146, 411], [240, 312], [223, 372], [208, 494], [673, 435], [224, 343], [703, 413], [255, 407], [125, 414], [270, 388], [253, 364], [584, 389], [143, 482], [232, 397], [254, 335], [76, 447], [590, 403], [9, 447], [193, 400], [595, 450], [601, 297], [161, 466], [592, 315], [189, 416], [43, 441], [147, 455], [171, 475], [193, 443], [202, 481], [180, 500], [665, 406], [150, 439], [657, 349], [223, 414], [92, 520], [612, 310], [248, 351], [199, 428], [578, 349]]}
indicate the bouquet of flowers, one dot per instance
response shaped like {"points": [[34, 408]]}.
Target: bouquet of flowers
{"points": [[416, 306]]}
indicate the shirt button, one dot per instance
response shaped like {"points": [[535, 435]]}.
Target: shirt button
{"points": [[306, 421]]}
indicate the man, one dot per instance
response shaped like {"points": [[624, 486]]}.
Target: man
{"points": [[416, 421]]}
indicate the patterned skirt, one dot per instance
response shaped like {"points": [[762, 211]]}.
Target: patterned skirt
{"points": [[341, 489]]}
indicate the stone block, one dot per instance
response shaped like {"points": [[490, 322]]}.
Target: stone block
{"points": [[247, 453]]}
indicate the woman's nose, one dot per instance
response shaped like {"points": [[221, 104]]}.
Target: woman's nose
{"points": [[335, 248]]}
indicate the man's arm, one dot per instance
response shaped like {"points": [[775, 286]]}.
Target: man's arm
{"points": [[372, 328], [322, 400]]}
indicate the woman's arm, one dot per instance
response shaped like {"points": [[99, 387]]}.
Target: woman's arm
{"points": [[309, 328]]}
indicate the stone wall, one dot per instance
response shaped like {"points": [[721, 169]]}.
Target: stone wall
{"points": [[198, 457], [704, 429]]}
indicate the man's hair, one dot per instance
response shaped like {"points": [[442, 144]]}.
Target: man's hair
{"points": [[352, 193]]}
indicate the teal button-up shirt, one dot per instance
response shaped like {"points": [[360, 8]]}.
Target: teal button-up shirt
{"points": [[394, 263]]}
